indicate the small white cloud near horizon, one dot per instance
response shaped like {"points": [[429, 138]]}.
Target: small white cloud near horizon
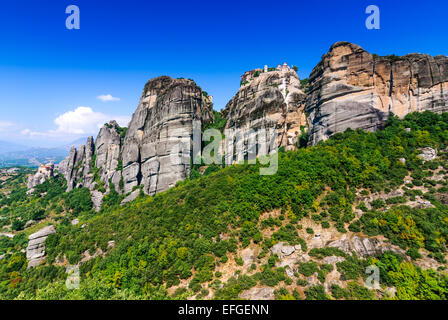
{"points": [[81, 121], [107, 97], [6, 125]]}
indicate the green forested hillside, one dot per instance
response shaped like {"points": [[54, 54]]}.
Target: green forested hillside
{"points": [[189, 240]]}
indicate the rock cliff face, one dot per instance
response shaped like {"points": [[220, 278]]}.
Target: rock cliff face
{"points": [[35, 252], [163, 119], [108, 154], [140, 154], [76, 168], [269, 99], [351, 88], [43, 173], [96, 164]]}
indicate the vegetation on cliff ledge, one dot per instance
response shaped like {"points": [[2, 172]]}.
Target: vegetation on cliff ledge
{"points": [[179, 242]]}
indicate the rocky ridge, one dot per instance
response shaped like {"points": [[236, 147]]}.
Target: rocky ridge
{"points": [[164, 118], [351, 88], [269, 98]]}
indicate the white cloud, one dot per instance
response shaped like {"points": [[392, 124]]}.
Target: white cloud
{"points": [[6, 125], [81, 121], [107, 97]]}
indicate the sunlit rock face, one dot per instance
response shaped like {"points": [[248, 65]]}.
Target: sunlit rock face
{"points": [[44, 172], [108, 153], [351, 88], [269, 99], [76, 168], [35, 251], [164, 118]]}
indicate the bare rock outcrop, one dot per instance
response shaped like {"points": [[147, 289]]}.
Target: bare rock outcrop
{"points": [[76, 168], [35, 252], [97, 199], [269, 99], [95, 162], [108, 154], [164, 119], [140, 154], [351, 88], [131, 197], [365, 247], [428, 154], [44, 172]]}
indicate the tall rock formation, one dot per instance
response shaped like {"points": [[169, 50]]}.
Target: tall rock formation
{"points": [[35, 252], [108, 154], [351, 88], [163, 119], [96, 164], [140, 154], [76, 168], [269, 99]]}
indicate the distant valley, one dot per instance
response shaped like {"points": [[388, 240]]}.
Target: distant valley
{"points": [[12, 154]]}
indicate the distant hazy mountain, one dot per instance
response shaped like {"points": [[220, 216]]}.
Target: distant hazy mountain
{"points": [[10, 147], [77, 143], [15, 155]]}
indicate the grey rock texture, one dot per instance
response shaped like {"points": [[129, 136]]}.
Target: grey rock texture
{"points": [[351, 88], [365, 247], [269, 100], [35, 252], [95, 161], [140, 154], [97, 199], [163, 119], [76, 168], [108, 152], [282, 249], [332, 259]]}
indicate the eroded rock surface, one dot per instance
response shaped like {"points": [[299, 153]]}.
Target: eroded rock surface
{"points": [[131, 197], [269, 99], [364, 247], [108, 151], [95, 162], [76, 168], [164, 119], [351, 88], [35, 252], [258, 293]]}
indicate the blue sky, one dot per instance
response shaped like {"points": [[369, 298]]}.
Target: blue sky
{"points": [[48, 72]]}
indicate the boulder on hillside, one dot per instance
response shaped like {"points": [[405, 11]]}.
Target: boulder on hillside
{"points": [[35, 252]]}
